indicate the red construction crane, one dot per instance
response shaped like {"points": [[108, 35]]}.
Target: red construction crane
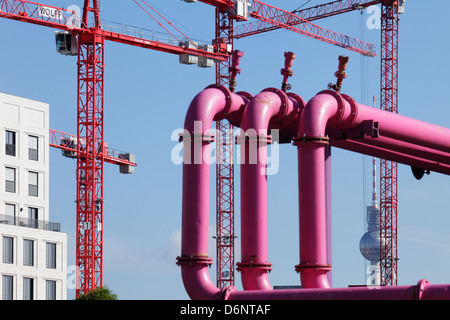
{"points": [[90, 49], [68, 144], [268, 17], [390, 10]]}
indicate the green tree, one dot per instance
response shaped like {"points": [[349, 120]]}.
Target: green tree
{"points": [[99, 293]]}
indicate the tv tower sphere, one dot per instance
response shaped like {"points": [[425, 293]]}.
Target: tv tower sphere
{"points": [[369, 245]]}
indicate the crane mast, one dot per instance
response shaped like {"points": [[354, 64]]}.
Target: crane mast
{"points": [[225, 163], [389, 169], [90, 128]]}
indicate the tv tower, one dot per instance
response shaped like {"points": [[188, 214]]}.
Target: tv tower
{"points": [[369, 245]]}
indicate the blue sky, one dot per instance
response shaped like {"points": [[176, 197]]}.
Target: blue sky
{"points": [[147, 94]]}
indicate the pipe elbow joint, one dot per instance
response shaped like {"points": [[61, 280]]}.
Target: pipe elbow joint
{"points": [[327, 109], [196, 280], [255, 275], [314, 276]]}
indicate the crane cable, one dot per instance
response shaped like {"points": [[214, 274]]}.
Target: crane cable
{"points": [[146, 11]]}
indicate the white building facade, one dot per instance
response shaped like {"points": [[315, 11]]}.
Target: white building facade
{"points": [[33, 251]]}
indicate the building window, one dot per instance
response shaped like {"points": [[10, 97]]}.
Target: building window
{"points": [[33, 150], [28, 289], [33, 189], [10, 177], [28, 252], [51, 255], [10, 143], [7, 287], [33, 218], [50, 290], [8, 250], [10, 213]]}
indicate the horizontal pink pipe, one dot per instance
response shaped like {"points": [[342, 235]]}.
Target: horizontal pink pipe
{"points": [[270, 108], [410, 149], [213, 103], [406, 129], [422, 291], [372, 149]]}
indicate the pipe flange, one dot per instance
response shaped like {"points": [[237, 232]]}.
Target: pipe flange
{"points": [[228, 99], [301, 105], [419, 290], [353, 112], [241, 266], [227, 292], [190, 260], [260, 138], [311, 140], [245, 94], [341, 106], [284, 104], [301, 102], [312, 267], [190, 137]]}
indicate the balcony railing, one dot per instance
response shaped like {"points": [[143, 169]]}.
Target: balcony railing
{"points": [[30, 223]]}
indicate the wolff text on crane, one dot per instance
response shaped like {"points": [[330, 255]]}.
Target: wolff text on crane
{"points": [[50, 12]]}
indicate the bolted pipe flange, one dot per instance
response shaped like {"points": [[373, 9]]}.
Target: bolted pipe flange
{"points": [[228, 99], [311, 140], [312, 267], [190, 137], [259, 139], [241, 266], [191, 260], [284, 104], [419, 290], [353, 112], [341, 106]]}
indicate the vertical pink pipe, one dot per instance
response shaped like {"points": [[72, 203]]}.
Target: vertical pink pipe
{"points": [[209, 105], [328, 210], [269, 105], [311, 146]]}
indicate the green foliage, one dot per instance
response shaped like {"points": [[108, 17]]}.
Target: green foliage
{"points": [[99, 293]]}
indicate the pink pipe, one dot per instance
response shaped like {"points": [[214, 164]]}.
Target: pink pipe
{"points": [[392, 155], [213, 103], [422, 291], [322, 111], [311, 143], [331, 109], [410, 149], [270, 108], [406, 129]]}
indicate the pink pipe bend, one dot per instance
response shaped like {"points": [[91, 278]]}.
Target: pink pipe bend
{"points": [[213, 103], [271, 108], [398, 134]]}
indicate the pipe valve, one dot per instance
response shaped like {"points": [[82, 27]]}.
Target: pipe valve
{"points": [[340, 74], [287, 71], [236, 56]]}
